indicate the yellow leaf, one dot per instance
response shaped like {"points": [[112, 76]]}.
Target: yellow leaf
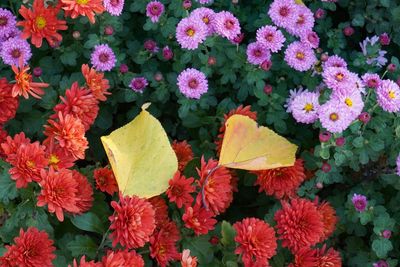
{"points": [[299, 2], [141, 156], [249, 147]]}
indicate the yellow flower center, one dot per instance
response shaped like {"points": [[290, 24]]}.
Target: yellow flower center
{"points": [[53, 159], [40, 22], [190, 32], [81, 2], [339, 76], [206, 20], [308, 107], [391, 94], [334, 117], [300, 55], [348, 102], [30, 164]]}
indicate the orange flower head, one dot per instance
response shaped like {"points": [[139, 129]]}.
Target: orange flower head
{"points": [[132, 222], [305, 257], [183, 152], [84, 263], [328, 258], [88, 8], [11, 145], [199, 219], [163, 244], [41, 22], [281, 182], [187, 260], [256, 240], [122, 258], [105, 180], [160, 210], [319, 257], [57, 157], [96, 83], [180, 190], [24, 85], [69, 133], [80, 103], [329, 219], [84, 193], [8, 103]]}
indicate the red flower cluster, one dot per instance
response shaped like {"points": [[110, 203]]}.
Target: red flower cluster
{"points": [[163, 244], [8, 103], [183, 152], [160, 210], [199, 219], [307, 257], [105, 180], [122, 258], [96, 83], [180, 190]]}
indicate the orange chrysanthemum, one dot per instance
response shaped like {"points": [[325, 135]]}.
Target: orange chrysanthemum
{"points": [[216, 188], [80, 103], [122, 258], [299, 224], [27, 163], [58, 158], [180, 189], [8, 103], [41, 22], [96, 83], [308, 257], [160, 210], [329, 219], [69, 133], [281, 182], [24, 85], [32, 248], [84, 263], [187, 260], [59, 192], [88, 8], [105, 180], [328, 258], [84, 192], [199, 219], [163, 244], [132, 222], [245, 111], [11, 145], [257, 241], [184, 153]]}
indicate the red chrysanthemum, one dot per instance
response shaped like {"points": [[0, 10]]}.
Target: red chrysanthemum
{"points": [[163, 244], [328, 258], [245, 111], [3, 139], [299, 224], [121, 258], [257, 241], [79, 102], [199, 219], [180, 189], [57, 157], [84, 194], [24, 85], [105, 180], [69, 133], [160, 210], [133, 222], [329, 219], [216, 188], [305, 257], [8, 103], [96, 83], [88, 8], [184, 153], [281, 182], [12, 144], [187, 260], [41, 22], [59, 192], [32, 248], [308, 257], [84, 263], [27, 163]]}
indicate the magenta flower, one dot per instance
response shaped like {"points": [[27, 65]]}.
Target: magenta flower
{"points": [[154, 10], [7, 23], [151, 46], [205, 15], [190, 33], [340, 79], [138, 84], [360, 202], [13, 49], [388, 95], [371, 80], [271, 38], [192, 83], [257, 53], [304, 107], [304, 21], [310, 38], [103, 58], [334, 116], [114, 7], [226, 25], [167, 53], [300, 56], [335, 61], [283, 13]]}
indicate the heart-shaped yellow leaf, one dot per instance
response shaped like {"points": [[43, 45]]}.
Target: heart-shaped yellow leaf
{"points": [[249, 147], [141, 156]]}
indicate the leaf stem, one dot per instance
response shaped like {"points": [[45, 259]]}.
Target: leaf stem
{"points": [[203, 197]]}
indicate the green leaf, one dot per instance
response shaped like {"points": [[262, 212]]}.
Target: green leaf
{"points": [[199, 247], [8, 191], [82, 245], [381, 247], [358, 20], [228, 234], [69, 58], [88, 222], [358, 142]]}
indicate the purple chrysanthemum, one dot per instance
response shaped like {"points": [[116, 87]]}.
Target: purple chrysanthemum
{"points": [[398, 165], [304, 21], [190, 33], [371, 80], [13, 49], [138, 84], [7, 23], [352, 101], [204, 2], [360, 202], [388, 95], [283, 13], [293, 93], [226, 25], [335, 61], [271, 38], [257, 53], [103, 58], [310, 38], [334, 116], [305, 107], [151, 46], [192, 83], [154, 10], [114, 7], [206, 15], [339, 79], [300, 57]]}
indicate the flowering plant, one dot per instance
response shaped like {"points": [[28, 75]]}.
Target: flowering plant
{"points": [[323, 74]]}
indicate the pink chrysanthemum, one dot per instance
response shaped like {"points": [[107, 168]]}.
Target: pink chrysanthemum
{"points": [[154, 10], [192, 83], [300, 56], [304, 21], [335, 61], [138, 84], [310, 38], [257, 53], [114, 7], [388, 95], [339, 79], [352, 101], [191, 32], [7, 23], [334, 116], [283, 13], [271, 38], [305, 107], [206, 15], [103, 58], [226, 25], [371, 80]]}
